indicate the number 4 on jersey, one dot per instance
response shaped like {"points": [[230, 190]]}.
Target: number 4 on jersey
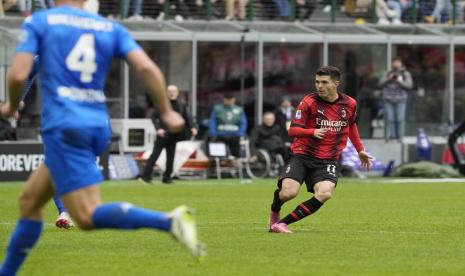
{"points": [[82, 57]]}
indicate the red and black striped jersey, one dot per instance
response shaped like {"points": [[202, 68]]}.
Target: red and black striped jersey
{"points": [[314, 113]]}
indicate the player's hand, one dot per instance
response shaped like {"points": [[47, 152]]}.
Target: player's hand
{"points": [[7, 112], [320, 133], [365, 159], [174, 121]]}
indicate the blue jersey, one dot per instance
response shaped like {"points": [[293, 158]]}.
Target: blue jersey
{"points": [[75, 50], [31, 78]]}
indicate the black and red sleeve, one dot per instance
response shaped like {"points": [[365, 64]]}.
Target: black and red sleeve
{"points": [[299, 125], [354, 135]]}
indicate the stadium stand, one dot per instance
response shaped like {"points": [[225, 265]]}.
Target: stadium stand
{"points": [[269, 10]]}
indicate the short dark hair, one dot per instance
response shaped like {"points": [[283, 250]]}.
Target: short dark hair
{"points": [[397, 59], [285, 98], [228, 95], [333, 72]]}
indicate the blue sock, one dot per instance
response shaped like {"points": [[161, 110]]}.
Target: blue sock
{"points": [[61, 208], [126, 216], [23, 239]]}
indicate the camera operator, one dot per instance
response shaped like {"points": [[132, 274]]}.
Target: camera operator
{"points": [[395, 85]]}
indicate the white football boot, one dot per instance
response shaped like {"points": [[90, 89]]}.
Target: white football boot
{"points": [[64, 221], [184, 230]]}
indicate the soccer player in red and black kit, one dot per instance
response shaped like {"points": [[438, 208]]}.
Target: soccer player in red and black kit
{"points": [[321, 125]]}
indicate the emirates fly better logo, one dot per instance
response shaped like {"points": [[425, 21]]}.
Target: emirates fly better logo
{"points": [[333, 126]]}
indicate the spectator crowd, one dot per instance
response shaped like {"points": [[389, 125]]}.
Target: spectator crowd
{"points": [[386, 12]]}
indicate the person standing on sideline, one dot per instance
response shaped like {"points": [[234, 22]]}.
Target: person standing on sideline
{"points": [[283, 115], [167, 140], [75, 49], [395, 84], [228, 124], [137, 10], [322, 123]]}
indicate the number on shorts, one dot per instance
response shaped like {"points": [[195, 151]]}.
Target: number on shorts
{"points": [[331, 169]]}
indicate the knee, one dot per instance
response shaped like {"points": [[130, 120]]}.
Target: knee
{"points": [[83, 221], [288, 194], [26, 205], [324, 195]]}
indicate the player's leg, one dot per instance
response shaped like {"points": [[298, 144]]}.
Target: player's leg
{"points": [[87, 210], [36, 193], [321, 180], [323, 192], [289, 190], [76, 180], [60, 207], [288, 186], [63, 220]]}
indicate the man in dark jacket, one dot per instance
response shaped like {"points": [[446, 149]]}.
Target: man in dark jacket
{"points": [[166, 140], [7, 132], [283, 115], [268, 136]]}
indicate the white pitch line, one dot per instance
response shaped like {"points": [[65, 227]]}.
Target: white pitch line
{"points": [[14, 223], [233, 224], [418, 180], [265, 229], [370, 231]]}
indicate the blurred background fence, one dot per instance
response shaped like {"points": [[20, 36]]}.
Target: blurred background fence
{"points": [[359, 11]]}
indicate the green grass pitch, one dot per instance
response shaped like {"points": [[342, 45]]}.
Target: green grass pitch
{"points": [[370, 227]]}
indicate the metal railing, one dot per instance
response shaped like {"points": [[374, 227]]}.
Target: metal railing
{"points": [[358, 11]]}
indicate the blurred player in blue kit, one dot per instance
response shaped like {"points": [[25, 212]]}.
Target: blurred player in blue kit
{"points": [[75, 49], [63, 220]]}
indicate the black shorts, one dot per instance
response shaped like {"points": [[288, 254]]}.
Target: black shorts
{"points": [[311, 170]]}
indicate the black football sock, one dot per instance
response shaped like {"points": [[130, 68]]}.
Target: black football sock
{"points": [[304, 209], [277, 203]]}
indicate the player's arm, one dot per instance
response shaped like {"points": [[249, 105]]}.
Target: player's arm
{"points": [[354, 137], [30, 80], [301, 131], [384, 79], [155, 81], [298, 129], [406, 82], [17, 77]]}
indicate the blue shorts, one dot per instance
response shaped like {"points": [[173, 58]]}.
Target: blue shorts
{"points": [[71, 156]]}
